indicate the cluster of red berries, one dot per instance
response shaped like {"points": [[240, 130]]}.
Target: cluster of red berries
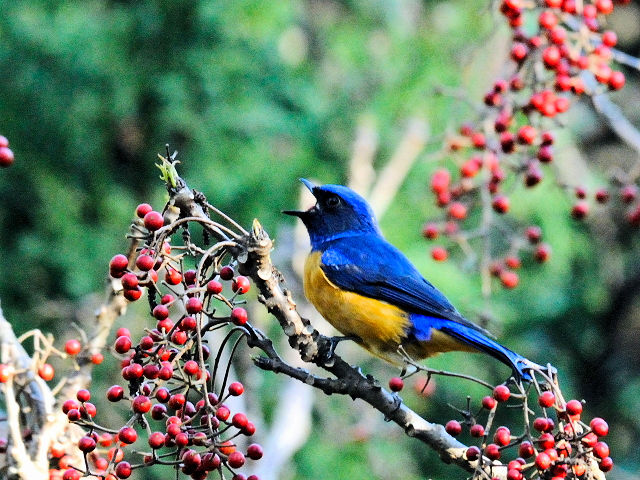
{"points": [[561, 448], [512, 143], [166, 370], [6, 154]]}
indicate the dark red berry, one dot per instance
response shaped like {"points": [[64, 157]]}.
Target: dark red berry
{"points": [[501, 393], [396, 384], [153, 221], [6, 157], [453, 427], [226, 273], [546, 399], [239, 316], [236, 389], [240, 285]]}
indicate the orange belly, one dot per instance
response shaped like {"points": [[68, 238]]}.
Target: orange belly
{"points": [[380, 326]]}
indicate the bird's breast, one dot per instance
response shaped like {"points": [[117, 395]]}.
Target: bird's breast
{"points": [[380, 326]]}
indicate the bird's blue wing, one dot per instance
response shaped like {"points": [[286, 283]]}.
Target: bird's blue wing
{"points": [[371, 266]]}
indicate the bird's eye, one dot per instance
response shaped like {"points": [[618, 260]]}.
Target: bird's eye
{"points": [[333, 201]]}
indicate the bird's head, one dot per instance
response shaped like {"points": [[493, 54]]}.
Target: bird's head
{"points": [[338, 212]]}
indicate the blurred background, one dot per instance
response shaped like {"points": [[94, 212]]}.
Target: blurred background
{"points": [[256, 94]]}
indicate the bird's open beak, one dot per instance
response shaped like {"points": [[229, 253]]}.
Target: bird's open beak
{"points": [[302, 213]]}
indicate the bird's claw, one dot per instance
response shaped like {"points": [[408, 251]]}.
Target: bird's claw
{"points": [[331, 344]]}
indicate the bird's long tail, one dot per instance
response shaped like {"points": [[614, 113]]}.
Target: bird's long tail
{"points": [[519, 364]]}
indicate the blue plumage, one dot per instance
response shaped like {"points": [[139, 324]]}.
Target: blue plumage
{"points": [[356, 258]]}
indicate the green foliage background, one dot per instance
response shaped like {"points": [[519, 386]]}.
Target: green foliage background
{"points": [[253, 95]]}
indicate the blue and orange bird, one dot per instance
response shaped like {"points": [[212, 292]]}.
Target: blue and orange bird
{"points": [[370, 292]]}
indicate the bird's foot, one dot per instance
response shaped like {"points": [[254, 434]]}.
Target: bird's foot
{"points": [[329, 348]]}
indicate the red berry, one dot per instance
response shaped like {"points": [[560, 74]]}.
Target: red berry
{"points": [[543, 461], [115, 393], [145, 262], [123, 344], [551, 56], [574, 407], [130, 281], [546, 441], [540, 424], [179, 337], [191, 367], [132, 295], [458, 210], [542, 253], [72, 347], [223, 413], [193, 305], [547, 19], [609, 38], [602, 195], [439, 254], [156, 440], [254, 451], [492, 451], [88, 410], [160, 312], [86, 444], [127, 435], [69, 405], [176, 401], [489, 402], [502, 436], [239, 316], [6, 157], [477, 430], [188, 324], [235, 459], [616, 81], [46, 372], [526, 450], [470, 168], [580, 210], [473, 453], [4, 141], [118, 265], [601, 450], [123, 470], [71, 474], [501, 393], [240, 285], [500, 203], [214, 287], [519, 52], [546, 399], [453, 427], [440, 181], [509, 279], [153, 221], [604, 6], [226, 273], [239, 420], [396, 384], [514, 474], [599, 426], [236, 389], [606, 464], [545, 154], [512, 262], [143, 209], [141, 404], [83, 395]]}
